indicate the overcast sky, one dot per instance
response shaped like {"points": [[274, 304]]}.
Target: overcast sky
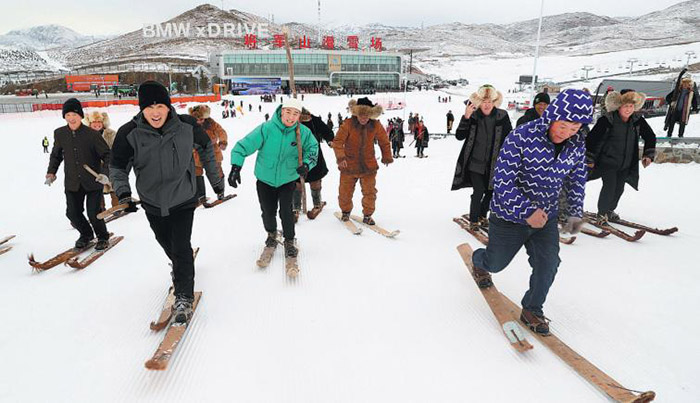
{"points": [[117, 17]]}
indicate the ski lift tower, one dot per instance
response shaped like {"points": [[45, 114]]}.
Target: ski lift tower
{"points": [[690, 54]]}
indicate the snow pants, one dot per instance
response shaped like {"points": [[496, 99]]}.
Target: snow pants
{"points": [[75, 202], [368, 184], [542, 246], [272, 197], [613, 187], [173, 233]]}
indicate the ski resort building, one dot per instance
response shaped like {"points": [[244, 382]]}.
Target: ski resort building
{"points": [[259, 71]]}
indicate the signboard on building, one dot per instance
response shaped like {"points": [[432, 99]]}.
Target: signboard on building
{"points": [[255, 86], [88, 82], [334, 63]]}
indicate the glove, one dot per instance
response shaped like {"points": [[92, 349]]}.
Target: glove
{"points": [[573, 225], [49, 179], [303, 170], [126, 199], [234, 178], [103, 179]]}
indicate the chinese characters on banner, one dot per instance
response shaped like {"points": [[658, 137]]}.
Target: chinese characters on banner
{"points": [[328, 42]]}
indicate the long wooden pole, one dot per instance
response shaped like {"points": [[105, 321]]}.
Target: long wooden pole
{"points": [[293, 87]]}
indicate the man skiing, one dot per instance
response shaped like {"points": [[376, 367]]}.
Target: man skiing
{"points": [[613, 149], [421, 138], [321, 132], [160, 143], [484, 127], [536, 161], [540, 103], [80, 145], [277, 168], [354, 151]]}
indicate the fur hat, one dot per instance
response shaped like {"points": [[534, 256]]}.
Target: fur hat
{"points": [[486, 91], [200, 111], [614, 100], [97, 116], [687, 80], [364, 106]]}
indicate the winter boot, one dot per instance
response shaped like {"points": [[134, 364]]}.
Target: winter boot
{"points": [[102, 244], [613, 216], [482, 278], [474, 225], [290, 250], [345, 216], [538, 323], [271, 241], [83, 241], [368, 220], [316, 197], [182, 309], [484, 222]]}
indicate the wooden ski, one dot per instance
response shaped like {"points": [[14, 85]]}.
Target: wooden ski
{"points": [[76, 264], [585, 368], [348, 224], [216, 202], [166, 349], [478, 234], [167, 312], [376, 228], [511, 328]]}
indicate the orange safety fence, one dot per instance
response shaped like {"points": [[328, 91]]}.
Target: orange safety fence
{"points": [[102, 104]]}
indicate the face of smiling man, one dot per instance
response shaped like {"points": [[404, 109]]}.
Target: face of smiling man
{"points": [[156, 115]]}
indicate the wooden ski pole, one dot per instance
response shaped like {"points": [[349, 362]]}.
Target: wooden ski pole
{"points": [[292, 86]]}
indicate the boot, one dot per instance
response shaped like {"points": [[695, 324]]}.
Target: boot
{"points": [[482, 278], [484, 222], [316, 197], [182, 309], [271, 241], [290, 250], [102, 244], [538, 323], [83, 241], [345, 216], [613, 216], [368, 220], [601, 218], [474, 225]]}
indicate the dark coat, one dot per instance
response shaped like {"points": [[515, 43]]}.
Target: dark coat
{"points": [[530, 115], [80, 147], [321, 131], [426, 136], [600, 151], [467, 130]]}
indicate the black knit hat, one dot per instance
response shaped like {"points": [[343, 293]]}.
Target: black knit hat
{"points": [[73, 105], [152, 93], [365, 101], [541, 97]]}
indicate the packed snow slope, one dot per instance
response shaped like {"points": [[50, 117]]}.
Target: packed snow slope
{"points": [[369, 319]]}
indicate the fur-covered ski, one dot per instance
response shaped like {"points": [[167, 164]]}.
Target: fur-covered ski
{"points": [[376, 228], [6, 239], [113, 210], [216, 202], [479, 234], [81, 264], [167, 312], [267, 253], [348, 224], [512, 330], [657, 231], [616, 231], [583, 367], [60, 258], [314, 212], [172, 338]]}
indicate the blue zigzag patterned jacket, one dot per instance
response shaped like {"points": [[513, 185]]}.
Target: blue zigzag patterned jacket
{"points": [[528, 176]]}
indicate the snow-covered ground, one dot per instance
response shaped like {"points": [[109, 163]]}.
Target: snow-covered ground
{"points": [[368, 320]]}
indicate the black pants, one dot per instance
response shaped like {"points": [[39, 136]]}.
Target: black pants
{"points": [[481, 196], [75, 202], [419, 149], [201, 187], [613, 187], [271, 197], [46, 149], [173, 233], [681, 129]]}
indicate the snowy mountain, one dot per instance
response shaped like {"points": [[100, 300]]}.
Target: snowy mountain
{"points": [[571, 33], [46, 37]]}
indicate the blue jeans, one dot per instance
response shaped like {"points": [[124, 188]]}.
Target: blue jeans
{"points": [[542, 246]]}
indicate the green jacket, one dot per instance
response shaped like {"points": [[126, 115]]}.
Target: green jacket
{"points": [[276, 144]]}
